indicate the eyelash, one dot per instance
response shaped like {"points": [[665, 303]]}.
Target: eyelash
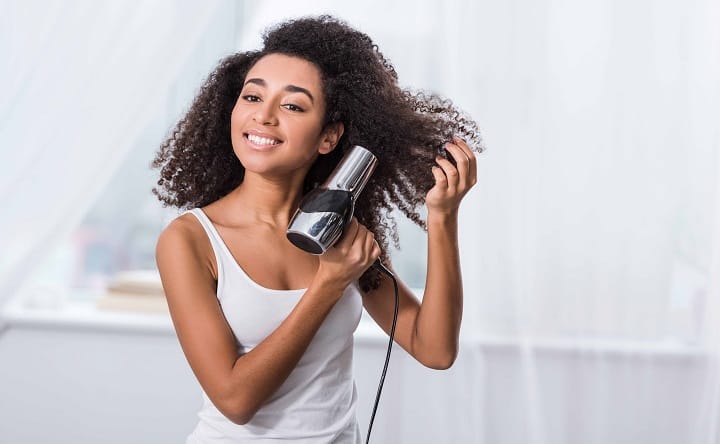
{"points": [[248, 98], [293, 107], [289, 106]]}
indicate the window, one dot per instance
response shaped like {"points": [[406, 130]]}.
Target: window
{"points": [[120, 230]]}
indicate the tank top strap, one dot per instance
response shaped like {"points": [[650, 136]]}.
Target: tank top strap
{"points": [[215, 241]]}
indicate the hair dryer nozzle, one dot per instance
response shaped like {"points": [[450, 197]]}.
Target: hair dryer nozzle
{"points": [[325, 211]]}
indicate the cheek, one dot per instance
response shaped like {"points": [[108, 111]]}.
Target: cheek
{"points": [[308, 137], [235, 116], [236, 125], [310, 131]]}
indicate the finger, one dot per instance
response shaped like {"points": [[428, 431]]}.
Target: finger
{"points": [[463, 146], [457, 149], [376, 251], [450, 171], [471, 157], [462, 163], [369, 246], [440, 179], [369, 239], [373, 253]]}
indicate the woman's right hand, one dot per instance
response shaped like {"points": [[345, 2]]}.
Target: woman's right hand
{"points": [[347, 260]]}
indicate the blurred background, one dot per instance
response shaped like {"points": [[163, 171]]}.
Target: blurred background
{"points": [[590, 246]]}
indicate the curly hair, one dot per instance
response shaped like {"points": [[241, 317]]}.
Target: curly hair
{"points": [[403, 128]]}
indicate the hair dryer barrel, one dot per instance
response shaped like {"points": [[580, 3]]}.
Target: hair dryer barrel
{"points": [[353, 171], [325, 211]]}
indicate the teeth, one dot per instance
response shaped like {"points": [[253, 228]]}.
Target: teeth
{"points": [[262, 140]]}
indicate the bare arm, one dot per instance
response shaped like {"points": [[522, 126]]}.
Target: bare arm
{"points": [[430, 331], [240, 385]]}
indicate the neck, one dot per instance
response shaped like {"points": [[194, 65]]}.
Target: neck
{"points": [[269, 200]]}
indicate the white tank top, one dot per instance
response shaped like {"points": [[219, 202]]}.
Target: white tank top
{"points": [[316, 404]]}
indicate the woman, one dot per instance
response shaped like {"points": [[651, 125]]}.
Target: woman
{"points": [[266, 327]]}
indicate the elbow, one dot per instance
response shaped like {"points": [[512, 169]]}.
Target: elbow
{"points": [[239, 416], [442, 362], [236, 411], [239, 420]]}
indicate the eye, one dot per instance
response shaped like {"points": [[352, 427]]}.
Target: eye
{"points": [[293, 107], [251, 98]]}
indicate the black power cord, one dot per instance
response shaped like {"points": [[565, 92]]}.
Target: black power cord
{"points": [[384, 269]]}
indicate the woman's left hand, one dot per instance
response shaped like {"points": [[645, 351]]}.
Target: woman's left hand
{"points": [[451, 182]]}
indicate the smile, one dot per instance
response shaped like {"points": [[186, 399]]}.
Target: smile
{"points": [[262, 143]]}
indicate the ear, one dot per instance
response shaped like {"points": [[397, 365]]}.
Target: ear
{"points": [[330, 137]]}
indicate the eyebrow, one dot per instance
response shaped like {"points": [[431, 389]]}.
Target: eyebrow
{"points": [[289, 88]]}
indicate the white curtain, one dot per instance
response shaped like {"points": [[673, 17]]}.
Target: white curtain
{"points": [[590, 246], [81, 80], [587, 248]]}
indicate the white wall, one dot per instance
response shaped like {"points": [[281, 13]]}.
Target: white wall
{"points": [[72, 386], [64, 386]]}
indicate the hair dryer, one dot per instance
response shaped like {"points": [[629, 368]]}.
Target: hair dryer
{"points": [[322, 216], [323, 213]]}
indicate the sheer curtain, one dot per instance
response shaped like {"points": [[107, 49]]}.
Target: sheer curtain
{"points": [[81, 80], [590, 246], [587, 247], [604, 164]]}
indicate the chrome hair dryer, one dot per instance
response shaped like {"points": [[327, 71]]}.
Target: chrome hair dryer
{"points": [[325, 211]]}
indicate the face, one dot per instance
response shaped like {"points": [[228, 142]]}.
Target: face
{"points": [[276, 124]]}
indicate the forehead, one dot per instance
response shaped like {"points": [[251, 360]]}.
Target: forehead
{"points": [[280, 70]]}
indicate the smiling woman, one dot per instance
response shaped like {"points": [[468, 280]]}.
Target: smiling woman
{"points": [[266, 327]]}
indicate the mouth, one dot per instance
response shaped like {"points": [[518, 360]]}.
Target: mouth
{"points": [[260, 142]]}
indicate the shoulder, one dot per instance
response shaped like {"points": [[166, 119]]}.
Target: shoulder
{"points": [[181, 233], [184, 240]]}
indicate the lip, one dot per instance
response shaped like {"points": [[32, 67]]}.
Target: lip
{"points": [[257, 133]]}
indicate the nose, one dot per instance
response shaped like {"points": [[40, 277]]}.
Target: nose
{"points": [[265, 114]]}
